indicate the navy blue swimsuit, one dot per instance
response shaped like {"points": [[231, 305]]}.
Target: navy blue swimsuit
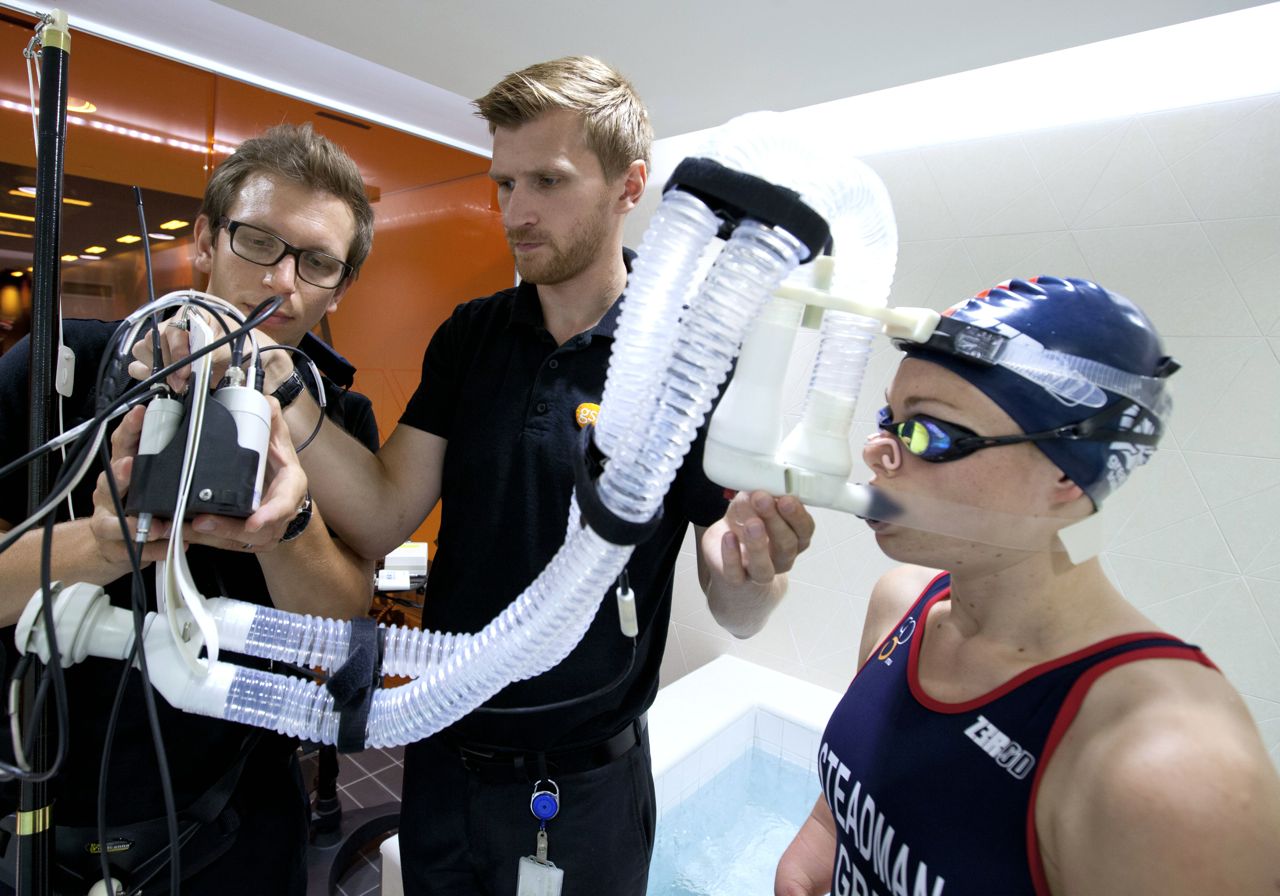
{"points": [[938, 799]]}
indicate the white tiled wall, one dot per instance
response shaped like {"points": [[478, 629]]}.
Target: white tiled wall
{"points": [[714, 716], [759, 728], [1178, 210]]}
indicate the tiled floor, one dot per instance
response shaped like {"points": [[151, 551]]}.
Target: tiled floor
{"points": [[368, 784]]}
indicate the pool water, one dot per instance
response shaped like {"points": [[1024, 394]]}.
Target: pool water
{"points": [[726, 839]]}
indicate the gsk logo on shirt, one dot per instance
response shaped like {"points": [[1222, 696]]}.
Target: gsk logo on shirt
{"points": [[901, 636], [587, 414]]}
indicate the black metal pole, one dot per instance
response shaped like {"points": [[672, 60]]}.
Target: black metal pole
{"points": [[35, 821]]}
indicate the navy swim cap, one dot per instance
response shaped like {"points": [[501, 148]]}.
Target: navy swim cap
{"points": [[1106, 345]]}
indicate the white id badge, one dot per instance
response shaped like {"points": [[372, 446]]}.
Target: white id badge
{"points": [[538, 878]]}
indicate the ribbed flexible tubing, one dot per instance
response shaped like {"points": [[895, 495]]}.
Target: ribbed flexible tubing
{"points": [[661, 274], [670, 250], [457, 673], [865, 236], [750, 267]]}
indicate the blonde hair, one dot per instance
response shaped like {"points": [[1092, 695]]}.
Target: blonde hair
{"points": [[615, 121]]}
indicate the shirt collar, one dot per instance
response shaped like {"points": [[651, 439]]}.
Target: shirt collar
{"points": [[333, 365], [528, 310]]}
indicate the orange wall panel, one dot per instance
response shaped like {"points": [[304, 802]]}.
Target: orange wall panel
{"points": [[434, 248]]}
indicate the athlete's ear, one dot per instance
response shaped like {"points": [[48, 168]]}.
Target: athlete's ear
{"points": [[1065, 492]]}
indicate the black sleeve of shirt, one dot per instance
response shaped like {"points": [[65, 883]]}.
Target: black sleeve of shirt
{"points": [[358, 419], [434, 405]]}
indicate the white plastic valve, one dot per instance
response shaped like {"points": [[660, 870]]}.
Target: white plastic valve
{"points": [[627, 619], [85, 622], [252, 415], [159, 424]]}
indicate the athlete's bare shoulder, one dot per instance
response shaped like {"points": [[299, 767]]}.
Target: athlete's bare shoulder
{"points": [[1162, 759], [891, 597]]}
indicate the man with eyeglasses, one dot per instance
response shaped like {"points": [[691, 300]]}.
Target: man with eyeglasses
{"points": [[286, 215]]}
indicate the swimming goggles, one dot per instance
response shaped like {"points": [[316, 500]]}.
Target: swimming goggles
{"points": [[938, 441]]}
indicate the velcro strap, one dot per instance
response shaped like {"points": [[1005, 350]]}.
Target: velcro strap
{"points": [[587, 468], [353, 683], [733, 196]]}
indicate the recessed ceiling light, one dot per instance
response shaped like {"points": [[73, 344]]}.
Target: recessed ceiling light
{"points": [[84, 107], [128, 238], [175, 224], [92, 257], [30, 193], [70, 257], [13, 217], [25, 236], [96, 250], [162, 236], [136, 134], [15, 273]]}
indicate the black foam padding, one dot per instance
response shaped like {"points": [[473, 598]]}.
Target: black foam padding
{"points": [[603, 521], [354, 682], [734, 196]]}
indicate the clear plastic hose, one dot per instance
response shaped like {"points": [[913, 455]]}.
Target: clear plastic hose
{"points": [[661, 275], [457, 673], [865, 237], [865, 240], [657, 393], [748, 270]]}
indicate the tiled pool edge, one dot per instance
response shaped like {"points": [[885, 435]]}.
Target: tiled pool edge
{"points": [[707, 719]]}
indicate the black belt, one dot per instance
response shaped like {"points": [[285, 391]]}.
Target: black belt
{"points": [[531, 765]]}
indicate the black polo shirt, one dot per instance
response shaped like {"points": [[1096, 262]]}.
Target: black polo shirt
{"points": [[505, 396], [199, 748]]}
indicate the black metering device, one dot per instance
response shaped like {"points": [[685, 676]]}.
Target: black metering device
{"points": [[230, 464]]}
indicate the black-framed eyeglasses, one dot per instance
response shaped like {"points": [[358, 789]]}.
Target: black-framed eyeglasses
{"points": [[938, 441], [265, 248]]}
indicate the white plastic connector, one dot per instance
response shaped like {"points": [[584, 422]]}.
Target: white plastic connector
{"points": [[159, 424], [252, 416], [821, 442], [203, 692], [747, 426], [85, 621], [234, 618], [65, 377], [916, 324], [627, 619]]}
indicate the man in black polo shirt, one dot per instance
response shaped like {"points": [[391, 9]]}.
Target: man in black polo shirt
{"points": [[507, 383], [287, 188]]}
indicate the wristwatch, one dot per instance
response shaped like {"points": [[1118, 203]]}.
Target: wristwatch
{"points": [[288, 390], [299, 523]]}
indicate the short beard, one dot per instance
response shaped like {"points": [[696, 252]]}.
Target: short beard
{"points": [[582, 249]]}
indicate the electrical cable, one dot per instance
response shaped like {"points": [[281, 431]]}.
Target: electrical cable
{"points": [[623, 584], [82, 454], [319, 393], [140, 390], [138, 653]]}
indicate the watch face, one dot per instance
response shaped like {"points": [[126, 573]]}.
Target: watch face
{"points": [[299, 523]]}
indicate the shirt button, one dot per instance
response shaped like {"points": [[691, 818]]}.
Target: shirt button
{"points": [[542, 407], [553, 363]]}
